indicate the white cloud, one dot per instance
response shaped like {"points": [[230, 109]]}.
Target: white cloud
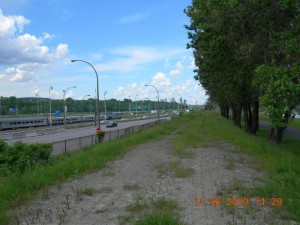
{"points": [[61, 51], [133, 18], [10, 24], [125, 59], [161, 80], [179, 65], [178, 68], [175, 72], [22, 72], [25, 52]]}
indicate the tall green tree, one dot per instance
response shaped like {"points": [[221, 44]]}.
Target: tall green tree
{"points": [[232, 40]]}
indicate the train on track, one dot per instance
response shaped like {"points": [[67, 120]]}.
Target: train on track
{"points": [[25, 122]]}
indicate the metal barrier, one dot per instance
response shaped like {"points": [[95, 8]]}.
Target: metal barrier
{"points": [[76, 144]]}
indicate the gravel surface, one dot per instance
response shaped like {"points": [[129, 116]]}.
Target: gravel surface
{"points": [[145, 173]]}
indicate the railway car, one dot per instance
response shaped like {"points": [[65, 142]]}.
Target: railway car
{"points": [[113, 115], [15, 123]]}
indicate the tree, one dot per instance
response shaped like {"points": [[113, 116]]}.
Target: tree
{"points": [[232, 40]]}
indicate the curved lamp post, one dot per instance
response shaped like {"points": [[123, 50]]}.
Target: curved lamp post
{"points": [[178, 103], [195, 100], [65, 111], [50, 88], [97, 102], [105, 92], [136, 109], [147, 85], [82, 104], [37, 105]]}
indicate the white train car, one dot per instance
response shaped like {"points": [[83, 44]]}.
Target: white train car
{"points": [[14, 123]]}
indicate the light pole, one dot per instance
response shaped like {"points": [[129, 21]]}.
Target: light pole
{"points": [[136, 106], [179, 99], [147, 85], [97, 101], [50, 89], [82, 104], [105, 92], [37, 105], [195, 100], [65, 108], [129, 105]]}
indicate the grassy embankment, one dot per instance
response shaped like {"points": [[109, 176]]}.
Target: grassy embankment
{"points": [[280, 163]]}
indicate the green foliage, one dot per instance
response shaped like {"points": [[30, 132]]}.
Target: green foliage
{"points": [[233, 39], [278, 93], [100, 135], [21, 156]]}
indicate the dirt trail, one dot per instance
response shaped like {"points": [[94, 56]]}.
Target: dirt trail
{"points": [[101, 197]]}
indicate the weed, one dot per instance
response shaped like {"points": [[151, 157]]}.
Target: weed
{"points": [[230, 164], [179, 170], [137, 207], [161, 169]]}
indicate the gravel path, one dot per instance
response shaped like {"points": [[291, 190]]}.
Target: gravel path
{"points": [[145, 173]]}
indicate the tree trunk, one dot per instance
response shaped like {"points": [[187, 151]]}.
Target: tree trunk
{"points": [[251, 111], [224, 110], [276, 135], [237, 114], [255, 117]]}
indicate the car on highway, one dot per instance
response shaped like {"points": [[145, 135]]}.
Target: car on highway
{"points": [[112, 124]]}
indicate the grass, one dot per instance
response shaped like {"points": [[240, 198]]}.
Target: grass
{"points": [[230, 164], [279, 162], [175, 168], [153, 212], [179, 170]]}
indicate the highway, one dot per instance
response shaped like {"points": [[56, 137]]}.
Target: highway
{"points": [[76, 132]]}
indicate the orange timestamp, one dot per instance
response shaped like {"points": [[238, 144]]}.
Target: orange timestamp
{"points": [[238, 201]]}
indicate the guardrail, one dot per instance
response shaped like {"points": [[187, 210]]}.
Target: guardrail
{"points": [[76, 144]]}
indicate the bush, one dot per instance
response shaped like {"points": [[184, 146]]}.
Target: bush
{"points": [[21, 156], [100, 136]]}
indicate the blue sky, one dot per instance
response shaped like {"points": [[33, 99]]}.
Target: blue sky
{"points": [[130, 43]]}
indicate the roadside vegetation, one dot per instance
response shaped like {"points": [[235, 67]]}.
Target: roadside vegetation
{"points": [[279, 162]]}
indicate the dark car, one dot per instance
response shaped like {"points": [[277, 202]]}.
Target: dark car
{"points": [[112, 124]]}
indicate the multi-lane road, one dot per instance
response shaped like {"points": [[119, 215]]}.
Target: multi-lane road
{"points": [[67, 134]]}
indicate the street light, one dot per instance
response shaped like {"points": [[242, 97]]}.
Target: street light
{"points": [[97, 102], [147, 85], [178, 103], [129, 105], [50, 88], [82, 104], [136, 105], [105, 92], [195, 100], [65, 108], [37, 105]]}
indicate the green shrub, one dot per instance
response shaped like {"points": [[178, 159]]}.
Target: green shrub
{"points": [[21, 156], [100, 136]]}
